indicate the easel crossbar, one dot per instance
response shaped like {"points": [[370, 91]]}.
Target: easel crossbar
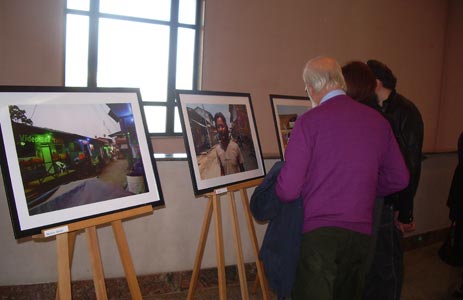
{"points": [[102, 219]]}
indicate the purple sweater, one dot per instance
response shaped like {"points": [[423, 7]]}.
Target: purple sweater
{"points": [[340, 157]]}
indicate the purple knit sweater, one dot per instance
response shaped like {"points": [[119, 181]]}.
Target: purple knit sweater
{"points": [[340, 157]]}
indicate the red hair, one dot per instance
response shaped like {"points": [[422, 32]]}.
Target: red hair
{"points": [[360, 81]]}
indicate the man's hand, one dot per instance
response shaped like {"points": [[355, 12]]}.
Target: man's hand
{"points": [[403, 227]]}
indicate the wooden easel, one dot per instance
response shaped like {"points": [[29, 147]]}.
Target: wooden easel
{"points": [[213, 208], [65, 241]]}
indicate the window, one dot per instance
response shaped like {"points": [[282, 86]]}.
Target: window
{"points": [[149, 44]]}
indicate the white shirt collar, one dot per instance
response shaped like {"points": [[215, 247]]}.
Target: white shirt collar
{"points": [[332, 94]]}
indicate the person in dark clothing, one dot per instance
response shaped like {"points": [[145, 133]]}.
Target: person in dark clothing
{"points": [[455, 199], [384, 280], [455, 202]]}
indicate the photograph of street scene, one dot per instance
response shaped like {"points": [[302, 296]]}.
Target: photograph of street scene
{"points": [[76, 154], [222, 139]]}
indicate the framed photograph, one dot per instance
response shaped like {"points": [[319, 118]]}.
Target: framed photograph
{"points": [[286, 109], [220, 138], [69, 154]]}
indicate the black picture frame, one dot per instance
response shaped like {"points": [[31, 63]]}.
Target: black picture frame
{"points": [[286, 109], [69, 154], [208, 169]]}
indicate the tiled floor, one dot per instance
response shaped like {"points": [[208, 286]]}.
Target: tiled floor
{"points": [[426, 278]]}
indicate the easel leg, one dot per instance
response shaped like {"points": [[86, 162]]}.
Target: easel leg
{"points": [[126, 260], [238, 247], [213, 208], [219, 248], [200, 251], [255, 245], [64, 270], [95, 260], [71, 243]]}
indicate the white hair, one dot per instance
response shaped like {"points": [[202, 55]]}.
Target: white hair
{"points": [[323, 72]]}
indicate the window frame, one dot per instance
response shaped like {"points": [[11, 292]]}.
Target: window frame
{"points": [[94, 15]]}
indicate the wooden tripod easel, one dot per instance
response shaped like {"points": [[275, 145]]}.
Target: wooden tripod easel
{"points": [[213, 208], [65, 241]]}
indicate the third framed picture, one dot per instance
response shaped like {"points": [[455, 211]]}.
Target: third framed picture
{"points": [[286, 109]]}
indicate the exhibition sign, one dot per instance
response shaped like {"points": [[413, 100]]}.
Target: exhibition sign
{"points": [[69, 154]]}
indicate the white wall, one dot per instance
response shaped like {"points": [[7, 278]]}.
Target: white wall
{"points": [[167, 240]]}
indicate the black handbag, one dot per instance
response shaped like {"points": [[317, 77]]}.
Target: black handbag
{"points": [[451, 251]]}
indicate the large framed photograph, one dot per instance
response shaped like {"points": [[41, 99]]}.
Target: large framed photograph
{"points": [[221, 139], [69, 154], [286, 109]]}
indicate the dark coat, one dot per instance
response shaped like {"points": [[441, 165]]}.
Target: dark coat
{"points": [[280, 248], [407, 124], [455, 199]]}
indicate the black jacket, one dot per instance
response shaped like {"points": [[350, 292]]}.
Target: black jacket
{"points": [[455, 199], [407, 124]]}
